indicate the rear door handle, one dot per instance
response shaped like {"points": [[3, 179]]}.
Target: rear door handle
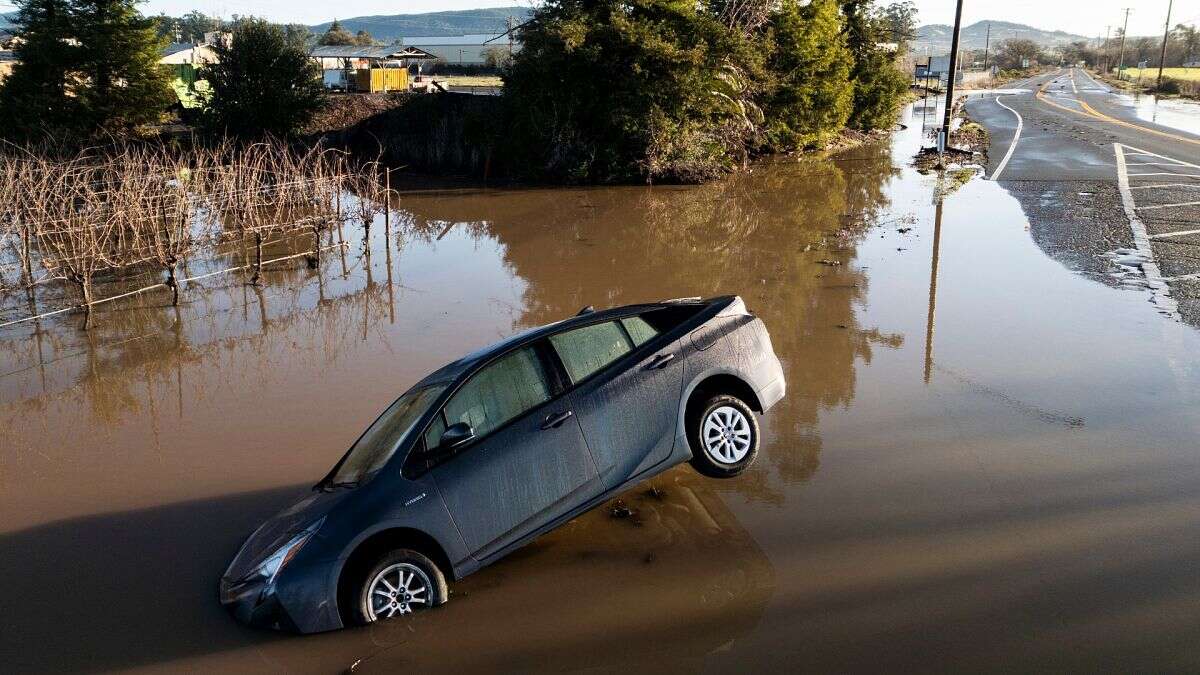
{"points": [[555, 421], [659, 361]]}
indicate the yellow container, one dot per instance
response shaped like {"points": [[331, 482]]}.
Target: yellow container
{"points": [[381, 79]]}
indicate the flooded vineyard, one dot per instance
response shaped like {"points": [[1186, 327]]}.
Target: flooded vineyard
{"points": [[986, 460]]}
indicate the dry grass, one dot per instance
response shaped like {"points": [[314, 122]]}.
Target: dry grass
{"points": [[1185, 74], [471, 80]]}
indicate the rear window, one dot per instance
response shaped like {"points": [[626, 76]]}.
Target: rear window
{"points": [[640, 331], [584, 351], [663, 320]]}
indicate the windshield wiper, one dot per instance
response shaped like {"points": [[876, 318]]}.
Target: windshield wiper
{"points": [[330, 486]]}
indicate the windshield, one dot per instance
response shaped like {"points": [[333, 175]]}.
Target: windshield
{"points": [[378, 445]]}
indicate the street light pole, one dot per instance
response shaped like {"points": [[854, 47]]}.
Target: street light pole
{"points": [[1125, 29], [944, 137], [1162, 56]]}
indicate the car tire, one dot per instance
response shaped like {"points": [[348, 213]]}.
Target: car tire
{"points": [[406, 580], [724, 436]]}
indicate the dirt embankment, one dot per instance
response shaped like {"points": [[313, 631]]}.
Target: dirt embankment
{"points": [[343, 111]]}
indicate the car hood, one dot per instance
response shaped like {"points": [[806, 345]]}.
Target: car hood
{"points": [[279, 528]]}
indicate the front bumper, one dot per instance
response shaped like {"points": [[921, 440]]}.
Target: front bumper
{"points": [[255, 604], [302, 599]]}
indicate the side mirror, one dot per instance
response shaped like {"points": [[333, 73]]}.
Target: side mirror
{"points": [[457, 434]]}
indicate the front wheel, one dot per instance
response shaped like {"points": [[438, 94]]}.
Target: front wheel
{"points": [[724, 437], [402, 582]]}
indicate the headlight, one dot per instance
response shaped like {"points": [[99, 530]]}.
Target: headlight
{"points": [[269, 568]]}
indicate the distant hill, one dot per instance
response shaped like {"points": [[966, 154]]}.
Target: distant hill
{"points": [[6, 20], [936, 37], [389, 28]]}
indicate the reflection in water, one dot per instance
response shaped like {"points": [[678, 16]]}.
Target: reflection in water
{"points": [[159, 412], [970, 520]]}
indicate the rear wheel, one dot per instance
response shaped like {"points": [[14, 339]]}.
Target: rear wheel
{"points": [[723, 434], [402, 582]]}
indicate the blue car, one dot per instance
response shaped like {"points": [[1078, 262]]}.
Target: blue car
{"points": [[503, 445]]}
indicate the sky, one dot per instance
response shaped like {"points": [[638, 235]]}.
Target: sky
{"points": [[1083, 17]]}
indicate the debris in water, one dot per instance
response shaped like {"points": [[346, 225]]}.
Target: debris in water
{"points": [[656, 493], [649, 558], [620, 509], [830, 263], [354, 666], [904, 230], [842, 326]]}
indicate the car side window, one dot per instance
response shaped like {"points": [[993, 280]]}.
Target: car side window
{"points": [[585, 350], [639, 330], [433, 435], [498, 393]]}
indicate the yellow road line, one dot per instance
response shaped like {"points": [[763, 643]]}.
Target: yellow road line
{"points": [[1089, 111]]}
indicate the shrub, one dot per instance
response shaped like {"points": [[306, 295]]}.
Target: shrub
{"points": [[263, 84]]}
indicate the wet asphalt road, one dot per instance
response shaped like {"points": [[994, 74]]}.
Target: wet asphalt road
{"points": [[1106, 193]]}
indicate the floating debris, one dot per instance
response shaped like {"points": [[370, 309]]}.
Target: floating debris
{"points": [[620, 509]]}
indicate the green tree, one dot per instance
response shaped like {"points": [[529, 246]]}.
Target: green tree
{"points": [[363, 39], [195, 24], [34, 97], [262, 84], [298, 35], [899, 23], [1189, 39], [1013, 53], [119, 83], [879, 85], [336, 36], [813, 95], [615, 91]]}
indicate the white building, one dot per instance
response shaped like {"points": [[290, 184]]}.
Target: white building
{"points": [[180, 53]]}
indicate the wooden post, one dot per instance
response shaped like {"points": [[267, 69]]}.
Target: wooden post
{"points": [[173, 283], [257, 259], [26, 266]]}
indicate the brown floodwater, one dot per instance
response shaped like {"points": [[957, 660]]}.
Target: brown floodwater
{"points": [[985, 460]]}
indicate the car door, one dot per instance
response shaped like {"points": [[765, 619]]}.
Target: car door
{"points": [[628, 411], [528, 463]]}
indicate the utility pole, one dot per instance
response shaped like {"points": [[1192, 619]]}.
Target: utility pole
{"points": [[509, 23], [944, 136], [1125, 29], [987, 42], [1104, 49], [1162, 56]]}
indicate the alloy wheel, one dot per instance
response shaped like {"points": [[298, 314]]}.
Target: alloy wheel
{"points": [[726, 435], [398, 589]]}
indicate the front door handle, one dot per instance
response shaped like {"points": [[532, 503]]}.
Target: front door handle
{"points": [[556, 421], [659, 361]]}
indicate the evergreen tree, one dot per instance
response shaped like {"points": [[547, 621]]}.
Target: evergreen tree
{"points": [[120, 83], [878, 84], [813, 95], [34, 97], [263, 84], [336, 35], [363, 39], [298, 35]]}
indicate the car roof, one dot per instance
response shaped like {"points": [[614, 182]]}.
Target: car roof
{"points": [[451, 371]]}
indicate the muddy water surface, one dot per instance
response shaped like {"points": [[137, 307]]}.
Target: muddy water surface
{"points": [[985, 460]]}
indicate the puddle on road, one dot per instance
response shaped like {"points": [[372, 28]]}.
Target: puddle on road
{"points": [[1175, 113], [984, 461]]}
